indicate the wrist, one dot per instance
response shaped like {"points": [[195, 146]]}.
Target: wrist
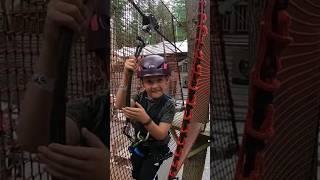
{"points": [[125, 73], [43, 82], [146, 123], [124, 80], [123, 87]]}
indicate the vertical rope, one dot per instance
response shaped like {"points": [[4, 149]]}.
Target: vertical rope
{"points": [[273, 39], [202, 31]]}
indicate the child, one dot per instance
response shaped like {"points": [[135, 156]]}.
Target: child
{"points": [[151, 114]]}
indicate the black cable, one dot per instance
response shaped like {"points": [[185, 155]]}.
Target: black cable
{"points": [[172, 15], [144, 16]]}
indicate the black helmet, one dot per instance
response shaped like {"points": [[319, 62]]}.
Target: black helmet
{"points": [[153, 65]]}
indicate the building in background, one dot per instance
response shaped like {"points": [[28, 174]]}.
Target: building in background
{"points": [[235, 17]]}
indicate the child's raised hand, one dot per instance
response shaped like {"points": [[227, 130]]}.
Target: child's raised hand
{"points": [[130, 65], [73, 14], [136, 113]]}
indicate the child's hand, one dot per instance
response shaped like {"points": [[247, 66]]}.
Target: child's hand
{"points": [[136, 113], [72, 14], [75, 162], [130, 65]]}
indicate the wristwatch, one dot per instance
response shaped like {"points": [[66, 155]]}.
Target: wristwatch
{"points": [[123, 87], [43, 82]]}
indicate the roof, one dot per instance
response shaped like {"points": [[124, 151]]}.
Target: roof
{"points": [[159, 48]]}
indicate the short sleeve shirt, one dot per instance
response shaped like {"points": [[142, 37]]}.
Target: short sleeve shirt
{"points": [[160, 110], [93, 114]]}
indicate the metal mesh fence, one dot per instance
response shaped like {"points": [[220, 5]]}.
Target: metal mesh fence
{"points": [[21, 26], [126, 24]]}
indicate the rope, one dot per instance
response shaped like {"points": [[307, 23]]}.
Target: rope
{"points": [[202, 31], [274, 38]]}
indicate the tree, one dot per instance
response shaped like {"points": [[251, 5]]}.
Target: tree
{"points": [[179, 11]]}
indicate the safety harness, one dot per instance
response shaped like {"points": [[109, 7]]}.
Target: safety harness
{"points": [[143, 141]]}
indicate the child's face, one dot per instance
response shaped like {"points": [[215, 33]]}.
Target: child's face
{"points": [[155, 86]]}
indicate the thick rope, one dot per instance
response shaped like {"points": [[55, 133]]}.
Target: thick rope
{"points": [[274, 38], [202, 31]]}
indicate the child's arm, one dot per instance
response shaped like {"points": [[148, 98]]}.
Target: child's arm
{"points": [[129, 65], [33, 129], [159, 132]]}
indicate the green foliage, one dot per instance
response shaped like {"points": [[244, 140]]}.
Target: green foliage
{"points": [[127, 21], [179, 11]]}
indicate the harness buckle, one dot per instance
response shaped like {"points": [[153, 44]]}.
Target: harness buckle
{"points": [[139, 139]]}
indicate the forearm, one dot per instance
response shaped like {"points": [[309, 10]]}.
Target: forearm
{"points": [[122, 93], [157, 131], [34, 127]]}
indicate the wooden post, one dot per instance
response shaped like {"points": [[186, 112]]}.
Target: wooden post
{"points": [[194, 166]]}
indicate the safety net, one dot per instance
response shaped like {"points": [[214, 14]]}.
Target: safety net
{"points": [[21, 30]]}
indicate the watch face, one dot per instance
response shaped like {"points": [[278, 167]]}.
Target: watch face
{"points": [[40, 80], [43, 82]]}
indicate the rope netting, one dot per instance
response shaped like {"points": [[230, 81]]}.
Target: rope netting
{"points": [[190, 155], [126, 24], [198, 80], [21, 30], [280, 139], [224, 142], [292, 153]]}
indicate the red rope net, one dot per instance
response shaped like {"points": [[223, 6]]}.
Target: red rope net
{"points": [[193, 86]]}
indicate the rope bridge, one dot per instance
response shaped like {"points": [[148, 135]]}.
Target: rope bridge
{"points": [[21, 29]]}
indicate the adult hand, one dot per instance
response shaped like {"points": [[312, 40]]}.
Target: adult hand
{"points": [[75, 162], [137, 113]]}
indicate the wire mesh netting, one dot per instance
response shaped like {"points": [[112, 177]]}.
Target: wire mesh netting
{"points": [[126, 24], [21, 28], [224, 143]]}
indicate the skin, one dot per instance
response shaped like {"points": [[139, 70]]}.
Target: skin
{"points": [[155, 87], [63, 161]]}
